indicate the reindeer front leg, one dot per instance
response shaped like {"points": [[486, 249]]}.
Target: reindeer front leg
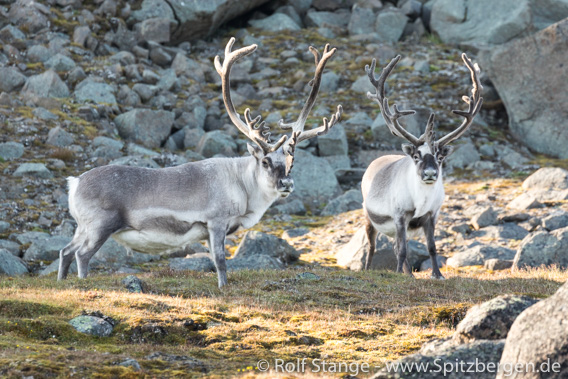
{"points": [[401, 246], [217, 234], [429, 233]]}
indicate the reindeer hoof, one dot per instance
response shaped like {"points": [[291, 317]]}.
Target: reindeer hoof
{"points": [[439, 277]]}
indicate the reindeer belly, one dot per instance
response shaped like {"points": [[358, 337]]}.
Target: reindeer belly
{"points": [[159, 237]]}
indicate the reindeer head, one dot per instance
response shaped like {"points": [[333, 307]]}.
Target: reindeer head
{"points": [[427, 153], [274, 160]]}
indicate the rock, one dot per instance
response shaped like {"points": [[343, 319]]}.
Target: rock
{"points": [[136, 161], [307, 276], [194, 262], [29, 15], [48, 84], [134, 284], [277, 22], [159, 56], [145, 91], [145, 126], [38, 53], [131, 362], [37, 170], [362, 85], [539, 336], [11, 79], [540, 131], [525, 201], [334, 142], [463, 156], [260, 262], [195, 20], [256, 243], [182, 65], [484, 22], [437, 355], [353, 255], [556, 220], [362, 21], [10, 34], [296, 232], [547, 178], [338, 162], [59, 137], [155, 29], [508, 230], [291, 207], [4, 226], [314, 179], [92, 325], [11, 150], [349, 201], [216, 142], [10, 246], [11, 265], [427, 264], [89, 90], [60, 62], [543, 248], [44, 114], [30, 237], [495, 264], [482, 217], [327, 19], [513, 159], [107, 147], [329, 83], [46, 249], [477, 255], [491, 320], [390, 24]]}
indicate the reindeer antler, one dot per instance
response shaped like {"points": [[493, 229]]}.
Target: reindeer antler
{"points": [[475, 101], [254, 129], [298, 125]]}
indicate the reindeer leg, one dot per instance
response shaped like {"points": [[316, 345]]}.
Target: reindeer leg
{"points": [[401, 247], [431, 243], [372, 237], [84, 254], [217, 234], [66, 256]]}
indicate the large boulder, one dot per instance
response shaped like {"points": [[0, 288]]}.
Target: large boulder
{"points": [[11, 265], [314, 179], [536, 100], [477, 255], [145, 126], [48, 84], [353, 254], [538, 337], [543, 248], [194, 19], [491, 320], [255, 244], [446, 359], [11, 79], [493, 22]]}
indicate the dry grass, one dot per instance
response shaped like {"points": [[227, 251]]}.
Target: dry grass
{"points": [[343, 317]]}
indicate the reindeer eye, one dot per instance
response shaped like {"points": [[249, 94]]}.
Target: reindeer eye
{"points": [[265, 163], [417, 157]]}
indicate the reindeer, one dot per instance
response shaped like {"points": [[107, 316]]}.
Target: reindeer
{"points": [[403, 193], [153, 210]]}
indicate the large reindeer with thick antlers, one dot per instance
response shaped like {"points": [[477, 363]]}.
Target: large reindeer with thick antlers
{"points": [[403, 193], [153, 210]]}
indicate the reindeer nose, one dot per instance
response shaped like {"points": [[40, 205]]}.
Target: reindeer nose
{"points": [[286, 184], [430, 174]]}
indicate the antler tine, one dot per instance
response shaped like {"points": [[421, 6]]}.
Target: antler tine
{"points": [[391, 118], [315, 84], [258, 134], [327, 124], [475, 101]]}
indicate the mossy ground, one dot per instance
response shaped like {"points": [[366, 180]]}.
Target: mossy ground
{"points": [[344, 316]]}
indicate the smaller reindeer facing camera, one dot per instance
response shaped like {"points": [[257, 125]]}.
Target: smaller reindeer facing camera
{"points": [[404, 193]]}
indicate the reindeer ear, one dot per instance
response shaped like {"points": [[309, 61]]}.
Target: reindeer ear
{"points": [[444, 152], [289, 163], [409, 149], [255, 151]]}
